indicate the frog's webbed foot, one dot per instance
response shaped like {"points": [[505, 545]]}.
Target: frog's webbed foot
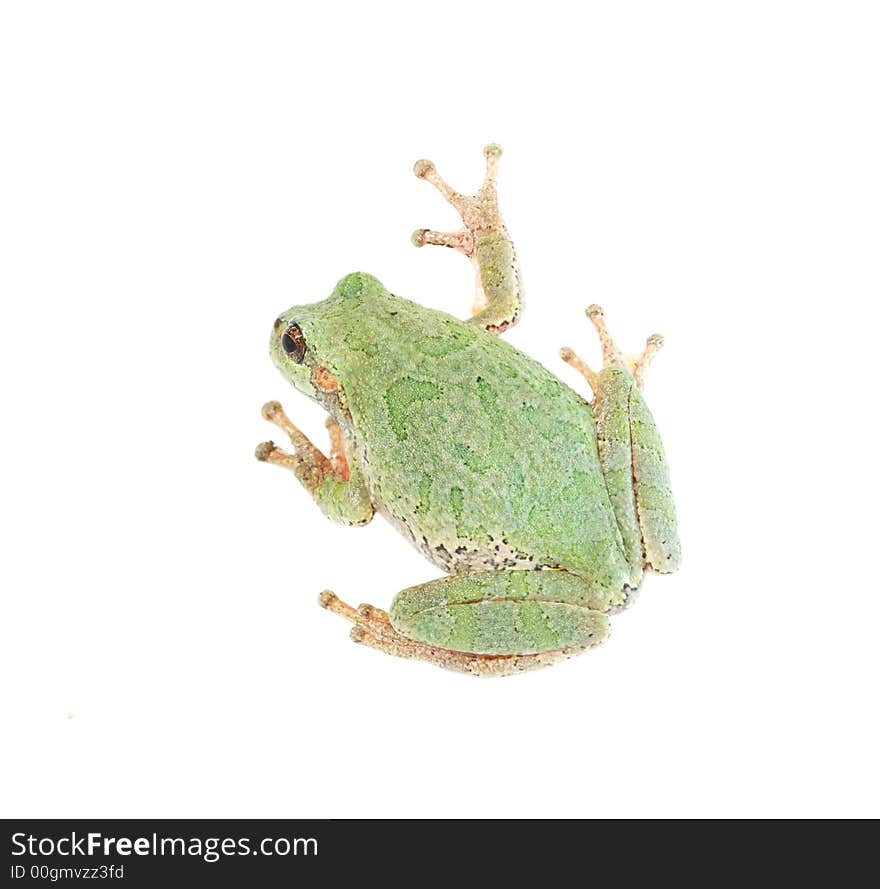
{"points": [[637, 365], [484, 240], [372, 627]]}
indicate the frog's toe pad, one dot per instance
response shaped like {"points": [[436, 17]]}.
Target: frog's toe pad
{"points": [[264, 450]]}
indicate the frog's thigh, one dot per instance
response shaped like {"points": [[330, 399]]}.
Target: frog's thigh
{"points": [[656, 508], [504, 613], [634, 467]]}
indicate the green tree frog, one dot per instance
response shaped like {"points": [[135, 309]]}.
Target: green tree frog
{"points": [[544, 509]]}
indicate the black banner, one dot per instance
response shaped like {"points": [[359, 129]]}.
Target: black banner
{"points": [[169, 852]]}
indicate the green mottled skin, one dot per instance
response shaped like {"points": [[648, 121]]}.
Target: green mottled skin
{"points": [[496, 262], [490, 465], [503, 611], [611, 407]]}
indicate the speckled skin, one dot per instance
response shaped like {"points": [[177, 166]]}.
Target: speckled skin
{"points": [[544, 511]]}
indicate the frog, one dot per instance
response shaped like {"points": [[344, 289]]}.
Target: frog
{"points": [[544, 508]]}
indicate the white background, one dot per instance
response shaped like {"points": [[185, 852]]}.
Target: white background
{"points": [[176, 174]]}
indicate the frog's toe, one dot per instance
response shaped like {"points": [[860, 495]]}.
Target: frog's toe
{"points": [[460, 240], [327, 598], [264, 450], [630, 595], [270, 410], [569, 356], [423, 167], [372, 614], [643, 360]]}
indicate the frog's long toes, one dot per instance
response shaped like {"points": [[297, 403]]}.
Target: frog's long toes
{"points": [[423, 167], [375, 617], [460, 240], [570, 357], [492, 153], [357, 634], [332, 602], [642, 361], [611, 356]]}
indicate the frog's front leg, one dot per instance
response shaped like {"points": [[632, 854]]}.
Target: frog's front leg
{"points": [[484, 240], [486, 623], [336, 483]]}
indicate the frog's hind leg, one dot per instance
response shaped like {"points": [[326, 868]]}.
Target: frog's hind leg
{"points": [[372, 628], [491, 623], [484, 240], [631, 453]]}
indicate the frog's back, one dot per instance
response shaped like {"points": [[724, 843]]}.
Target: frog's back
{"points": [[474, 449]]}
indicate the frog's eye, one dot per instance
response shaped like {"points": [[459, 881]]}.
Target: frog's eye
{"points": [[294, 343]]}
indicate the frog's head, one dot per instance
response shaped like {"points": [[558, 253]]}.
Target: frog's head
{"points": [[310, 343]]}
